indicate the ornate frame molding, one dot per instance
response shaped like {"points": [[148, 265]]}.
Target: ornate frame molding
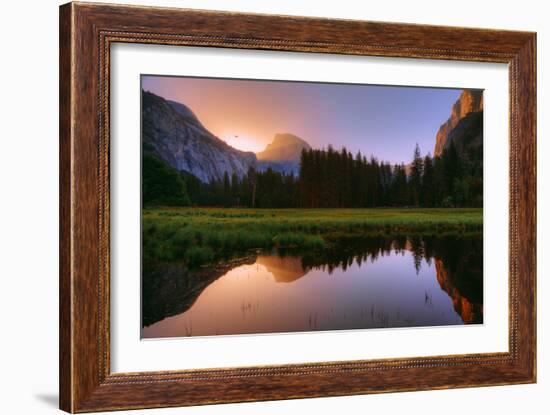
{"points": [[86, 34]]}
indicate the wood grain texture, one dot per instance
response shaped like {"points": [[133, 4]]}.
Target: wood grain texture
{"points": [[65, 247], [86, 33]]}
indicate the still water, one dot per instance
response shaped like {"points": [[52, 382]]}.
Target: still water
{"points": [[372, 283]]}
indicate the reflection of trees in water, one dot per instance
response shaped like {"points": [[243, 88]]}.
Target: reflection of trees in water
{"points": [[458, 262], [452, 250], [417, 250], [345, 253], [171, 289]]}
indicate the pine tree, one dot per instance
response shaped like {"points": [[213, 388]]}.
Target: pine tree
{"points": [[428, 190], [252, 184], [162, 185], [417, 167], [235, 190], [453, 170], [399, 187]]}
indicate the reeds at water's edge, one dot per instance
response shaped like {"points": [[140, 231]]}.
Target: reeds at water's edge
{"points": [[199, 236]]}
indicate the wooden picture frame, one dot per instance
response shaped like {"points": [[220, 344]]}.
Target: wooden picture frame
{"points": [[86, 33]]}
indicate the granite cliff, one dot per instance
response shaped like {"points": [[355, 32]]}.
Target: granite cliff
{"points": [[172, 132], [465, 125], [283, 154]]}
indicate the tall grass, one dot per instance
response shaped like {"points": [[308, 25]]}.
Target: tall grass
{"points": [[200, 236]]}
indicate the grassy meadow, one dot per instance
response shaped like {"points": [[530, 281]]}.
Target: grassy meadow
{"points": [[199, 236]]}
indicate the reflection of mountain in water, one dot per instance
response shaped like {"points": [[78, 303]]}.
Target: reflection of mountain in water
{"points": [[171, 289], [469, 311], [283, 269]]}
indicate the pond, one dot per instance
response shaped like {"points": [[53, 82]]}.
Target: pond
{"points": [[371, 282]]}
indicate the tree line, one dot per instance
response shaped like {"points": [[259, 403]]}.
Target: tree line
{"points": [[330, 178]]}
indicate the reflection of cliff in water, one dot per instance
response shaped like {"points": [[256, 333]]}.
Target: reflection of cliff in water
{"points": [[171, 289], [469, 311]]}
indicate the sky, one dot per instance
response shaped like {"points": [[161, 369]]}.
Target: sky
{"points": [[383, 121]]}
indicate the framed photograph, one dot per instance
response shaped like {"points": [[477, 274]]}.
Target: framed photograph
{"points": [[260, 207]]}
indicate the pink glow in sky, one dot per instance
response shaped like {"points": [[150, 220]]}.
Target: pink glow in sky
{"points": [[386, 121]]}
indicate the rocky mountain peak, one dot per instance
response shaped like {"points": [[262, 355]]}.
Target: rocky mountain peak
{"points": [[284, 147], [469, 102], [283, 154]]}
